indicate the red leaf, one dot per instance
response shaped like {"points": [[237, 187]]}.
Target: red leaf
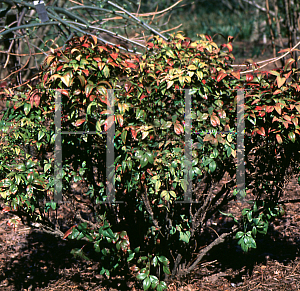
{"points": [[269, 109], [114, 55], [142, 96], [130, 65], [3, 85], [208, 37], [133, 132], [85, 45], [221, 76], [86, 72], [249, 77], [6, 209], [203, 82], [261, 131], [69, 231]]}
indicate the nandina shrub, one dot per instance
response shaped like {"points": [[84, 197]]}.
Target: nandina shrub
{"points": [[150, 232]]}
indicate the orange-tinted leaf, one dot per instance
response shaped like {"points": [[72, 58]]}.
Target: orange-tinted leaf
{"points": [[221, 76], [114, 55], [97, 59], [278, 91], [92, 97], [280, 81], [120, 119], [208, 137], [288, 74], [229, 46], [101, 65], [133, 132], [288, 118], [298, 108], [88, 89], [142, 96], [79, 122], [237, 75], [288, 64], [178, 128], [214, 120], [130, 65], [86, 72], [94, 39], [68, 232], [286, 124], [292, 136], [278, 108], [109, 122], [269, 109], [261, 131], [279, 139], [295, 121]]}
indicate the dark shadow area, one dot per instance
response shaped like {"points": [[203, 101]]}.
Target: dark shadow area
{"points": [[274, 246], [44, 260]]}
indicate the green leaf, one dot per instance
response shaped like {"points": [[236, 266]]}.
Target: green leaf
{"points": [[130, 257], [27, 108], [106, 71], [149, 157], [146, 283], [212, 166], [123, 136], [141, 276], [166, 270], [163, 260], [239, 235], [154, 281], [40, 135], [144, 161], [162, 286], [229, 215]]}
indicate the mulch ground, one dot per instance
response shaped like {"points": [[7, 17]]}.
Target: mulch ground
{"points": [[31, 260]]}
